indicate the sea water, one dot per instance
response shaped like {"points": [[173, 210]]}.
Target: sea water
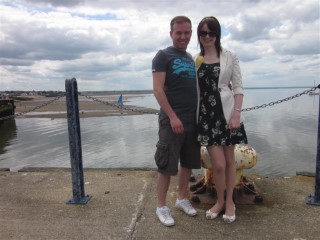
{"points": [[284, 136]]}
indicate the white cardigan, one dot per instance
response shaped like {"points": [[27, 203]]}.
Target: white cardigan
{"points": [[229, 73]]}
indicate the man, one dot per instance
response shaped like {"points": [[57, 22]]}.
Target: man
{"points": [[175, 88]]}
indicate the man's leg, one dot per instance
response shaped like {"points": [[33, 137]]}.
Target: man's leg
{"points": [[184, 177], [183, 202], [163, 182], [163, 212]]}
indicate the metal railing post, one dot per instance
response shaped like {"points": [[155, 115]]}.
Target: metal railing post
{"points": [[72, 102], [315, 200]]}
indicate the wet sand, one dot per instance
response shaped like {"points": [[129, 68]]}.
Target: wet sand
{"points": [[41, 107]]}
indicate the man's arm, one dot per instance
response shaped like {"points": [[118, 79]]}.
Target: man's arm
{"points": [[159, 93]]}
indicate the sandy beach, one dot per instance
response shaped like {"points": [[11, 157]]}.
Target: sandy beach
{"points": [[41, 107]]}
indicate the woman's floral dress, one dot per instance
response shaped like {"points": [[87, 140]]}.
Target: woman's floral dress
{"points": [[212, 125]]}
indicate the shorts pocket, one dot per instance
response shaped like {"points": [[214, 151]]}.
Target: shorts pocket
{"points": [[162, 155]]}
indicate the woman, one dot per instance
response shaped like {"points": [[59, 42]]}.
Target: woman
{"points": [[219, 111]]}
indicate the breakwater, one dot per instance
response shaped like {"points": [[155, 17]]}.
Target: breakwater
{"points": [[6, 108]]}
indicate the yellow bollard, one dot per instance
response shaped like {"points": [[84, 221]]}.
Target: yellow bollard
{"points": [[203, 191], [245, 157]]}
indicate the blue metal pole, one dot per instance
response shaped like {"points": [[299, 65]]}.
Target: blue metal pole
{"points": [[315, 200], [79, 196]]}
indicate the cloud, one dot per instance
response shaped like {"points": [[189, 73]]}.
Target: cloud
{"points": [[55, 3], [109, 45], [302, 38]]}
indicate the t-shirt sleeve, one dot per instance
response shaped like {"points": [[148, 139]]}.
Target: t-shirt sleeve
{"points": [[159, 63]]}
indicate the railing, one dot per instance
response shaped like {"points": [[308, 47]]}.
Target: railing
{"points": [[79, 196], [315, 200]]}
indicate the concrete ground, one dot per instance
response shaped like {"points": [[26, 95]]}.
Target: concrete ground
{"points": [[122, 206]]}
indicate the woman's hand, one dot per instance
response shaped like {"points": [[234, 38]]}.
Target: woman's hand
{"points": [[235, 120]]}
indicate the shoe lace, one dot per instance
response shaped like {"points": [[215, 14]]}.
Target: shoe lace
{"points": [[166, 213], [186, 204]]}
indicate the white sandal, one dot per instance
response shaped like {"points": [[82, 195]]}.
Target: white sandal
{"points": [[212, 215], [229, 219]]}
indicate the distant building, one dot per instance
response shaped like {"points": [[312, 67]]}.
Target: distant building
{"points": [[3, 96]]}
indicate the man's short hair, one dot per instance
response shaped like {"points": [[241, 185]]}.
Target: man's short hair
{"points": [[179, 19]]}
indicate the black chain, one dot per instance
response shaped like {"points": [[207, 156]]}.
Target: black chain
{"points": [[119, 106], [243, 110], [34, 108], [282, 100]]}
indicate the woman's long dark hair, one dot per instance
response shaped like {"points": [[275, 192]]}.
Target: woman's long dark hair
{"points": [[214, 25]]}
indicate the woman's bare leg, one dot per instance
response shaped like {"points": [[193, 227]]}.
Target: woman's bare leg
{"points": [[230, 177], [217, 158]]}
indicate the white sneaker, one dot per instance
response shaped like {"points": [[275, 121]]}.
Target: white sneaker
{"points": [[164, 216], [186, 206]]}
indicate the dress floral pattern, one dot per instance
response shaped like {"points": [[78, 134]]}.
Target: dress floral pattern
{"points": [[212, 125]]}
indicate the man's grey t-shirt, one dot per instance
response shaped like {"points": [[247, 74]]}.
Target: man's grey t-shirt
{"points": [[180, 83]]}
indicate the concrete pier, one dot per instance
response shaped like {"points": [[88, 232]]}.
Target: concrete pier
{"points": [[33, 206]]}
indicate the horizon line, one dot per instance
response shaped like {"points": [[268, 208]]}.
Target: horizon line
{"points": [[148, 90]]}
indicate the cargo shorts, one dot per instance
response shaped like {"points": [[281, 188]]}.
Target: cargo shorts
{"points": [[172, 148]]}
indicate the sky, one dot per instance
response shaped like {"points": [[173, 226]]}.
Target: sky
{"points": [[109, 45]]}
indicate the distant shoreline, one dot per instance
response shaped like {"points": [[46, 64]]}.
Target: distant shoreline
{"points": [[274, 87], [50, 93], [87, 108], [118, 92]]}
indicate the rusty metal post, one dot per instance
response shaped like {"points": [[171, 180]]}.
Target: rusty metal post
{"points": [[79, 196], [315, 200]]}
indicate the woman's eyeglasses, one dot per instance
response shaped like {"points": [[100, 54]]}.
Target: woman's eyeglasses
{"points": [[205, 33]]}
